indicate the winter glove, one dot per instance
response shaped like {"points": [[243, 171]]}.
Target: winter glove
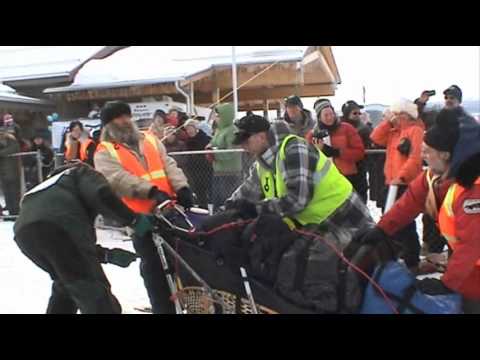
{"points": [[373, 237], [120, 257], [404, 146], [432, 286], [245, 208], [330, 151], [158, 196], [116, 256], [142, 225], [185, 197]]}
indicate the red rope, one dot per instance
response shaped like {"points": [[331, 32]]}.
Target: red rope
{"points": [[315, 236], [356, 268]]}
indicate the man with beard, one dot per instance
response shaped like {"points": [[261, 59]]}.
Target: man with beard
{"points": [[140, 172], [299, 119]]}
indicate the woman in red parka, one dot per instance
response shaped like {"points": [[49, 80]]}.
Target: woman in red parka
{"points": [[337, 140]]}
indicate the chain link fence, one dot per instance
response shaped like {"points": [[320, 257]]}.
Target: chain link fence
{"points": [[213, 175]]}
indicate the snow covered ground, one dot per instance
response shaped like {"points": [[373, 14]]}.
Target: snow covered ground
{"points": [[25, 288]]}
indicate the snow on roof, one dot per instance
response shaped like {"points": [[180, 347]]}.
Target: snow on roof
{"points": [[30, 62], [153, 62], [7, 94]]}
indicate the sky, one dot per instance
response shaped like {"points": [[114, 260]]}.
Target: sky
{"points": [[392, 72]]}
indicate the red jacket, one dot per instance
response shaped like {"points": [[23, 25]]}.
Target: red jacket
{"points": [[346, 139], [398, 166], [462, 274]]}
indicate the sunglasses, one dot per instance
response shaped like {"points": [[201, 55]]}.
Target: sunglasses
{"points": [[450, 97], [356, 113]]}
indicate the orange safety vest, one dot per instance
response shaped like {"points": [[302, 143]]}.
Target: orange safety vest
{"points": [[83, 149], [446, 217], [155, 172]]}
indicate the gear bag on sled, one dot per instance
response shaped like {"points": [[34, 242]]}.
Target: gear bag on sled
{"points": [[289, 273], [398, 283]]}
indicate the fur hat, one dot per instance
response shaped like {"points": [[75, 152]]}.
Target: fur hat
{"points": [[405, 106], [114, 109]]}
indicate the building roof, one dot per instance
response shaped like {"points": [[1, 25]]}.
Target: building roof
{"points": [[35, 62], [138, 71]]}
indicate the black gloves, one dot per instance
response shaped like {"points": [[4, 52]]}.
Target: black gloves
{"points": [[373, 237], [330, 151], [246, 209], [185, 197], [142, 225], [405, 146], [115, 256], [158, 196], [432, 286]]}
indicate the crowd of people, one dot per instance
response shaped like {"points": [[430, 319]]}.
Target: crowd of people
{"points": [[310, 171]]}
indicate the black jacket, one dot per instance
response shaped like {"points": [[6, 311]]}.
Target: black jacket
{"points": [[198, 143], [9, 166], [73, 202]]}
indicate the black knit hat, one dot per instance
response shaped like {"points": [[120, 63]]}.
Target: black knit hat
{"points": [[443, 136], [248, 126], [114, 109], [454, 91]]}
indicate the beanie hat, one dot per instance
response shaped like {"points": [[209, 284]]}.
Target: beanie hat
{"points": [[405, 106], [454, 91], [321, 104], [114, 109], [444, 134]]}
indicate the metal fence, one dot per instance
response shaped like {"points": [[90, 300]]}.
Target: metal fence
{"points": [[213, 175]]}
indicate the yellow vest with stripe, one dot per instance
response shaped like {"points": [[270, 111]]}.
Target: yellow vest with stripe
{"points": [[154, 172], [331, 189]]}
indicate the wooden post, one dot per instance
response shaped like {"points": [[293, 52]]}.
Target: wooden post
{"points": [[265, 109]]}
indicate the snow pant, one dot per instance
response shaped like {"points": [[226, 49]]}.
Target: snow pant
{"points": [[11, 191], [79, 282], [407, 238], [360, 185], [153, 275], [222, 187]]}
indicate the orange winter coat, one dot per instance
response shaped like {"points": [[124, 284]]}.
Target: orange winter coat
{"points": [[397, 165]]}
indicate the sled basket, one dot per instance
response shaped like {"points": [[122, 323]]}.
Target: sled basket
{"points": [[196, 300]]}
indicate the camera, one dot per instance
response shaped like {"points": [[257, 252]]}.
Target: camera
{"points": [[320, 133], [430, 92]]}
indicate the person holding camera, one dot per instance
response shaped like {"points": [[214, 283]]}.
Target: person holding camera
{"points": [[401, 132], [339, 141]]}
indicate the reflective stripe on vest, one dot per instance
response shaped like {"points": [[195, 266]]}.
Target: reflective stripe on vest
{"points": [[331, 189], [83, 149], [446, 216], [155, 174], [431, 206]]}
